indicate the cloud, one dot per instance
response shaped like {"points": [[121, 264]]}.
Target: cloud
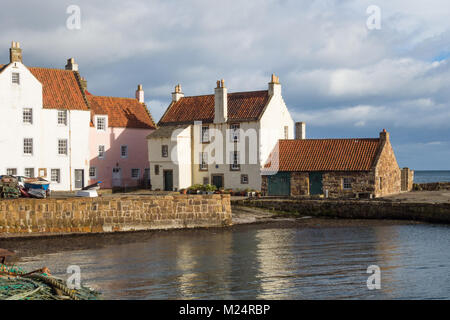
{"points": [[342, 78]]}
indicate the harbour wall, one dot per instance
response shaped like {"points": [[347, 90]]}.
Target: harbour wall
{"points": [[31, 217], [355, 209]]}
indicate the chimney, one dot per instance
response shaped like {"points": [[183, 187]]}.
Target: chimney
{"points": [[15, 53], [300, 130], [220, 103], [384, 135], [140, 94], [178, 94], [274, 86], [71, 65], [83, 83]]}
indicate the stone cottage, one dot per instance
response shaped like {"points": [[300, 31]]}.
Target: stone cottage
{"points": [[335, 168]]}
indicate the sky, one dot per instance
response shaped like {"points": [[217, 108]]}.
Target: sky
{"points": [[341, 76]]}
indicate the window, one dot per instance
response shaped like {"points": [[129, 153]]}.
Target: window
{"points": [[42, 172], [135, 173], [381, 183], [62, 147], [28, 116], [234, 132], [347, 183], [101, 152], [11, 172], [205, 134], [92, 172], [165, 151], [101, 123], [124, 151], [286, 132], [62, 117], [29, 172], [147, 174], [156, 170], [244, 178], [28, 146], [235, 165], [203, 161], [56, 175], [15, 77]]}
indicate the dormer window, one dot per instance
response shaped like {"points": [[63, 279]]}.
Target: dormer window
{"points": [[101, 123], [15, 78]]}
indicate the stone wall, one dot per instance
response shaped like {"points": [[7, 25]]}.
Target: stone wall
{"points": [[356, 209], [387, 171], [362, 182], [407, 177], [432, 186], [299, 184], [112, 214]]}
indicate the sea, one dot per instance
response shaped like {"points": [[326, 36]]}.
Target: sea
{"points": [[427, 176]]}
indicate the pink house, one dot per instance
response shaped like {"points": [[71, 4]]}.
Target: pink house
{"points": [[118, 140]]}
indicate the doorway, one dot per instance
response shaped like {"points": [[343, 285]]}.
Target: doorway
{"points": [[217, 180], [279, 184], [117, 177], [79, 178], [168, 180], [315, 183]]}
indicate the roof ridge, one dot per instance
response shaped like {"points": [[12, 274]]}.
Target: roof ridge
{"points": [[318, 139], [212, 94]]}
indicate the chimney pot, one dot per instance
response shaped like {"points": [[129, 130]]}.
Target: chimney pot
{"points": [[15, 53], [140, 93], [220, 102], [274, 86], [177, 94], [71, 65]]}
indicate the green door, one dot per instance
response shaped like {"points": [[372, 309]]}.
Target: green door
{"points": [[168, 180], [315, 183], [279, 184], [217, 181]]}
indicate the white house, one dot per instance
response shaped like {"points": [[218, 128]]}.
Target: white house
{"points": [[223, 139], [45, 122]]}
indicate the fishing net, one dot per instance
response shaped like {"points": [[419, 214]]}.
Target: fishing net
{"points": [[16, 284]]}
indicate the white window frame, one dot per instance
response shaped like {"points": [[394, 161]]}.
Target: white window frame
{"points": [[105, 122], [204, 134], [101, 154], [235, 164], [62, 118], [63, 148], [52, 171], [235, 132], [347, 183], [27, 116], [138, 174], [29, 146], [8, 170], [203, 161], [95, 173], [166, 153], [31, 175], [15, 78], [126, 151]]}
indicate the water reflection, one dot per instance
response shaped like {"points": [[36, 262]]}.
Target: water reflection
{"points": [[263, 262]]}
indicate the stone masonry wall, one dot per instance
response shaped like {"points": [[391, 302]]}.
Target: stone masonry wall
{"points": [[112, 214], [387, 172], [362, 182], [299, 184]]}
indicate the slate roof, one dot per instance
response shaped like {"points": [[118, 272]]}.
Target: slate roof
{"points": [[242, 106], [324, 155]]}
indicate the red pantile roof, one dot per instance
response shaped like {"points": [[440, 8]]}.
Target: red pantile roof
{"points": [[324, 155], [60, 89], [242, 106], [122, 112]]}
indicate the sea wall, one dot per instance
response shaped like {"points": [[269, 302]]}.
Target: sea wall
{"points": [[356, 209], [433, 186], [25, 217]]}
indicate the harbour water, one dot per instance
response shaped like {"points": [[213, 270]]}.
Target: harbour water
{"points": [[431, 176], [324, 260]]}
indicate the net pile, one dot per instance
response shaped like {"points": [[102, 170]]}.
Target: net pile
{"points": [[16, 284]]}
